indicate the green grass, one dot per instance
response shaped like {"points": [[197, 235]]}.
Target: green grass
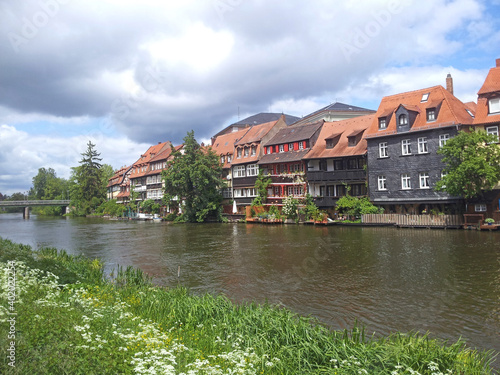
{"points": [[70, 320]]}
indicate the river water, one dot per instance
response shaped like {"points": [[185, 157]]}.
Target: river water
{"points": [[445, 282]]}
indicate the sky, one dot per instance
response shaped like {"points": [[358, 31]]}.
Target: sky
{"points": [[128, 74]]}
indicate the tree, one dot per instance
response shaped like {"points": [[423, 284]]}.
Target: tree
{"points": [[472, 164], [41, 182], [88, 188], [355, 206], [261, 184], [194, 178]]}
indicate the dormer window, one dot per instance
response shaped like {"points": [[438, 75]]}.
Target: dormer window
{"points": [[238, 153], [290, 147], [382, 124], [494, 105], [351, 141], [282, 148], [431, 114], [425, 97], [222, 159], [245, 154], [254, 150], [403, 120], [329, 143]]}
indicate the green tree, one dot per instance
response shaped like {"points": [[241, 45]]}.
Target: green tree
{"points": [[261, 184], [41, 183], [88, 186], [472, 162], [355, 206], [194, 177]]}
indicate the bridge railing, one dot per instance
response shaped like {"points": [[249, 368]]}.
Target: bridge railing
{"points": [[27, 203]]}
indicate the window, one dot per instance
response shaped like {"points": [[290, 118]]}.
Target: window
{"points": [[403, 120], [239, 193], [290, 147], [239, 171], [254, 150], [480, 207], [382, 150], [424, 180], [351, 164], [301, 145], [443, 138], [492, 130], [494, 105], [382, 183], [422, 145], [283, 169], [406, 147], [405, 181], [238, 153], [329, 143], [338, 165], [252, 170], [425, 97], [222, 159], [282, 148], [382, 124], [251, 192], [431, 114], [229, 158], [245, 154]]}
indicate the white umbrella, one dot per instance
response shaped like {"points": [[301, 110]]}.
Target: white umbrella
{"points": [[235, 209]]}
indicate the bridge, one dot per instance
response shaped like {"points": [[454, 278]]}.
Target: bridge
{"points": [[27, 204]]}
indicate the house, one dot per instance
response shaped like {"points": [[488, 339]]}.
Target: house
{"points": [[248, 152], [487, 117], [337, 162], [334, 112], [257, 119], [402, 142], [223, 146], [116, 181], [283, 160], [139, 172]]}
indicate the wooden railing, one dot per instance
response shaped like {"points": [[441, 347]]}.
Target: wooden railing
{"points": [[414, 220]]}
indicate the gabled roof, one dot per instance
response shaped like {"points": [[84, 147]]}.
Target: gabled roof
{"points": [[119, 175], [342, 129], [451, 112], [295, 133], [335, 109], [224, 144], [255, 133], [146, 158], [261, 118], [490, 86], [283, 157]]}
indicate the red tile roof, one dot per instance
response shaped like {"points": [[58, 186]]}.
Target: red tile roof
{"points": [[146, 158], [342, 129], [224, 144], [452, 111], [490, 86]]}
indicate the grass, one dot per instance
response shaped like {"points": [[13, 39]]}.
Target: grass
{"points": [[71, 320]]}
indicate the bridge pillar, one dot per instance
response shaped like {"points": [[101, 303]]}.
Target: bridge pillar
{"points": [[26, 213], [68, 210]]}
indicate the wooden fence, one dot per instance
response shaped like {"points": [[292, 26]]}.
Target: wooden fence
{"points": [[414, 220]]}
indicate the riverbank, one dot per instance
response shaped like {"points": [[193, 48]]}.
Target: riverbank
{"points": [[69, 319]]}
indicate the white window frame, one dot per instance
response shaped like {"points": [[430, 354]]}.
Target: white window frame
{"points": [[290, 147], [383, 150], [238, 153], [492, 130], [405, 147], [422, 145], [405, 181], [239, 171], [403, 119], [480, 207], [443, 138], [301, 145], [252, 170], [494, 105], [246, 152], [382, 123], [382, 183], [253, 151], [431, 114], [424, 180], [281, 148]]}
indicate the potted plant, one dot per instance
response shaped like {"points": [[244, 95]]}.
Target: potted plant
{"points": [[489, 221]]}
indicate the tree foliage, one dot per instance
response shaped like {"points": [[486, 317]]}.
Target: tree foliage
{"points": [[472, 164], [194, 177], [355, 206], [88, 188], [47, 186], [261, 185]]}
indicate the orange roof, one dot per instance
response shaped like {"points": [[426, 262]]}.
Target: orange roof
{"points": [[256, 133], [343, 129], [224, 144], [146, 158], [491, 85], [452, 111], [118, 176]]}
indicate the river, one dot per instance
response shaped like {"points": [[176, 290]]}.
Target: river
{"points": [[445, 282]]}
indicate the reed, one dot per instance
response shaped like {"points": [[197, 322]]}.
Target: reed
{"points": [[92, 325]]}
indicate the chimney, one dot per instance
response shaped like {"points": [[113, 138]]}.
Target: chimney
{"points": [[498, 63], [449, 83]]}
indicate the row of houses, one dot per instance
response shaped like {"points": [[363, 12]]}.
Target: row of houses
{"points": [[389, 155]]}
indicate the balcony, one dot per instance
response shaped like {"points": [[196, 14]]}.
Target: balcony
{"points": [[139, 189], [342, 175], [292, 178]]}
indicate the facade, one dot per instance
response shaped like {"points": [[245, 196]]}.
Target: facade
{"points": [[336, 164], [248, 151], [403, 140], [283, 160], [223, 146], [334, 112], [116, 182], [139, 176], [488, 118]]}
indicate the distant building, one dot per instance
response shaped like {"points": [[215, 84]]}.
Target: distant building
{"points": [[334, 112]]}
